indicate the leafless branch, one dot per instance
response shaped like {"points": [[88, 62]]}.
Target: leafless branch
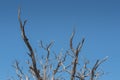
{"points": [[71, 41], [76, 53], [19, 72], [32, 55], [47, 48], [95, 67]]}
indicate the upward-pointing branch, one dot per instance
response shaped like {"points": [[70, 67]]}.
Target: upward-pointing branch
{"points": [[76, 53], [32, 55]]}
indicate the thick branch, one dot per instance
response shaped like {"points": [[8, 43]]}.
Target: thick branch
{"points": [[32, 55]]}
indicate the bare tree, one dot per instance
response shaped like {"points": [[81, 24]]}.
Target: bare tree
{"points": [[56, 67]]}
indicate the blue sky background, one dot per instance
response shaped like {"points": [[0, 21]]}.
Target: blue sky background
{"points": [[96, 20]]}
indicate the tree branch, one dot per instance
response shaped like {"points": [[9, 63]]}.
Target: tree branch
{"points": [[95, 67], [32, 55], [76, 53]]}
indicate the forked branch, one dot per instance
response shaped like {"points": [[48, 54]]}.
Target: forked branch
{"points": [[95, 67], [76, 53], [31, 54]]}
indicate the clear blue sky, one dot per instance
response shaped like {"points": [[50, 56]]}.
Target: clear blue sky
{"points": [[96, 20]]}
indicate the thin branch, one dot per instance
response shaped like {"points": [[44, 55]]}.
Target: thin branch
{"points": [[95, 67], [71, 41], [76, 53], [47, 48], [19, 72]]}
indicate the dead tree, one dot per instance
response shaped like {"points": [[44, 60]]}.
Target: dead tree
{"points": [[51, 67]]}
